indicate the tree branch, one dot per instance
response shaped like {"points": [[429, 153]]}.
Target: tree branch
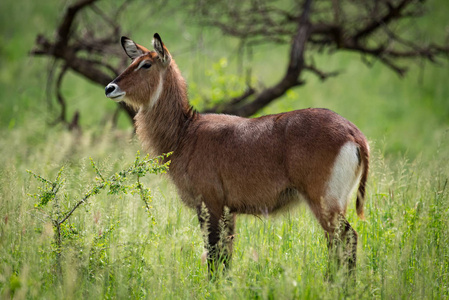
{"points": [[290, 79], [233, 102], [90, 68], [63, 33], [61, 100], [322, 75], [394, 12]]}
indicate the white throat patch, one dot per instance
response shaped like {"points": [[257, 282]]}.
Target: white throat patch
{"points": [[157, 94]]}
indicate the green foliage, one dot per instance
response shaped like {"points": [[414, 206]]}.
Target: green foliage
{"points": [[49, 189], [65, 233], [222, 85]]}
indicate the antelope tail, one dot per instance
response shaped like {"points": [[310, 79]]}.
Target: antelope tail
{"points": [[364, 156]]}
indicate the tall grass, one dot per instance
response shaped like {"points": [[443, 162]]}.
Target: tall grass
{"points": [[116, 251]]}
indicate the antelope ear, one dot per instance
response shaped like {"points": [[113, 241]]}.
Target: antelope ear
{"points": [[161, 50], [132, 49]]}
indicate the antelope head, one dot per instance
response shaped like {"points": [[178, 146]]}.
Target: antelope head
{"points": [[142, 82]]}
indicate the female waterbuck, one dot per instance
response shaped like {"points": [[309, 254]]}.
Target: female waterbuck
{"points": [[223, 165]]}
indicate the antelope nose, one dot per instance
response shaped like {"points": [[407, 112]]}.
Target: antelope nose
{"points": [[114, 92], [110, 88]]}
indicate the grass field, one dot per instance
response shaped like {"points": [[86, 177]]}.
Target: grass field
{"points": [[114, 248]]}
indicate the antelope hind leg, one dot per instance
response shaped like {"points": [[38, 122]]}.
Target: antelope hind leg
{"points": [[342, 245]]}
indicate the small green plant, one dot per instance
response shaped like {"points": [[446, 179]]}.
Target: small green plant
{"points": [[223, 84], [116, 184]]}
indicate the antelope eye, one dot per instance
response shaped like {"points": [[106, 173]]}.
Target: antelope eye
{"points": [[146, 66]]}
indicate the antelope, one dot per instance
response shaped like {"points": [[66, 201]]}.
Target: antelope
{"points": [[224, 165]]}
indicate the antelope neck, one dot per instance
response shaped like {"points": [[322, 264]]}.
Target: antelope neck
{"points": [[162, 125]]}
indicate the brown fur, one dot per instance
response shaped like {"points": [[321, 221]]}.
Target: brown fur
{"points": [[250, 166]]}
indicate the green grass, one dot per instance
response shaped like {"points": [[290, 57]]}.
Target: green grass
{"points": [[403, 245]]}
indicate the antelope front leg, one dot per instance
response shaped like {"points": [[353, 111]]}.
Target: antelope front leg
{"points": [[218, 233]]}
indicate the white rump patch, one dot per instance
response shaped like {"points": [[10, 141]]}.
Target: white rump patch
{"points": [[157, 94], [345, 174]]}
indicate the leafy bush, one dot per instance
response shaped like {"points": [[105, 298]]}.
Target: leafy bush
{"points": [[61, 209]]}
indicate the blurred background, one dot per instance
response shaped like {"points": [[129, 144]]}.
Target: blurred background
{"points": [[400, 103]]}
